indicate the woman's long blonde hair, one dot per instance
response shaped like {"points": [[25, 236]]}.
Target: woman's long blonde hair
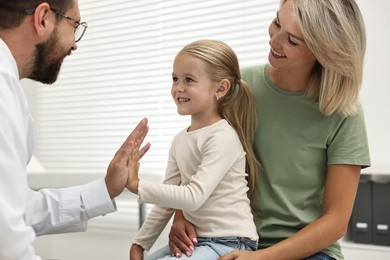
{"points": [[237, 106], [334, 31]]}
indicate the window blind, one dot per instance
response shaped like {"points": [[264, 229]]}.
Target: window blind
{"points": [[121, 72]]}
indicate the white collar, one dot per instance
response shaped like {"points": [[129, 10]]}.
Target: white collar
{"points": [[8, 59]]}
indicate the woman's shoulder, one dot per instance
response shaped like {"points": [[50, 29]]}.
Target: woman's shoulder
{"points": [[253, 70], [255, 75]]}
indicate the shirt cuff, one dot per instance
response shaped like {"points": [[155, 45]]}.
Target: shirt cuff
{"points": [[96, 199]]}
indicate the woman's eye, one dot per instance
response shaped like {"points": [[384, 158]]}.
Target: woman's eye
{"points": [[292, 42], [277, 24]]}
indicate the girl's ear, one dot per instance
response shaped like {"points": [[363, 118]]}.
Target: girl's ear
{"points": [[42, 23], [222, 89]]}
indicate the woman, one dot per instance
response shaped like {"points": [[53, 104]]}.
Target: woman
{"points": [[311, 139]]}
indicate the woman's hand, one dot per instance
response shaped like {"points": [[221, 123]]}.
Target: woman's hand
{"points": [[182, 237], [136, 252], [244, 255]]}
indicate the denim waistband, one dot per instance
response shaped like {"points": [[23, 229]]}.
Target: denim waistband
{"points": [[230, 241]]}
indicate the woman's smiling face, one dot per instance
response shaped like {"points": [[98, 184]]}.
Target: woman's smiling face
{"points": [[288, 48]]}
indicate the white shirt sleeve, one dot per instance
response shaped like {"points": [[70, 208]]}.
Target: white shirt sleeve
{"points": [[53, 211]]}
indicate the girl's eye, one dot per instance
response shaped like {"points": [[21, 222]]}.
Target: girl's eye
{"points": [[189, 80], [174, 79]]}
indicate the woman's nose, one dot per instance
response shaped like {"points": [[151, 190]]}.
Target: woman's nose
{"points": [[277, 38]]}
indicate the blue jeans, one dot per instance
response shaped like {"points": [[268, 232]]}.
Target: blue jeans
{"points": [[209, 248], [319, 256]]}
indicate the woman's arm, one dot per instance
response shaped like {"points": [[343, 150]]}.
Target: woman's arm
{"points": [[339, 195], [182, 237]]}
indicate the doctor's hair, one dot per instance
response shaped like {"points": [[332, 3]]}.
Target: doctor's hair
{"points": [[13, 12], [237, 105], [334, 32]]}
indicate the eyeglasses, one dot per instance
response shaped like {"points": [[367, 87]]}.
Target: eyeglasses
{"points": [[80, 28]]}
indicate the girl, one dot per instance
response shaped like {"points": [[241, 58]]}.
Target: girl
{"points": [[211, 163]]}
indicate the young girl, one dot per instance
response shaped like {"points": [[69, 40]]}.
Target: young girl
{"points": [[211, 163]]}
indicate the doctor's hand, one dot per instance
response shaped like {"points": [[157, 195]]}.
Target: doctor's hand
{"points": [[117, 172]]}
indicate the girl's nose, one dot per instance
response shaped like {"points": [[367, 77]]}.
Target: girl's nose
{"points": [[179, 87]]}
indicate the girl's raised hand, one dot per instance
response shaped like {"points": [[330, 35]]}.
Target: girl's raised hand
{"points": [[132, 167]]}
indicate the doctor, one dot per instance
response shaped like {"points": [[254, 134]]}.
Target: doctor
{"points": [[35, 37]]}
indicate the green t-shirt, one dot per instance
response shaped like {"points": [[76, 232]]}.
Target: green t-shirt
{"points": [[295, 142]]}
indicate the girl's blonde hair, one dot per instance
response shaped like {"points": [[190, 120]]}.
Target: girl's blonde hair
{"points": [[334, 31], [237, 106]]}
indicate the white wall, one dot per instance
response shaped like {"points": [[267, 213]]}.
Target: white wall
{"points": [[376, 84]]}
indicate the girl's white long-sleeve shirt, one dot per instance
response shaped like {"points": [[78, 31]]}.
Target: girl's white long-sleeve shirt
{"points": [[206, 179]]}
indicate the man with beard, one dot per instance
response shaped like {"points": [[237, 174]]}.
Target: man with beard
{"points": [[35, 37]]}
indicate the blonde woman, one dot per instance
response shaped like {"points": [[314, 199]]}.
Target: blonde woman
{"points": [[211, 166], [311, 139]]}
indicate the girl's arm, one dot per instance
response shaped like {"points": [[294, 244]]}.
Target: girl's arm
{"points": [[211, 169], [339, 195], [158, 217], [136, 252]]}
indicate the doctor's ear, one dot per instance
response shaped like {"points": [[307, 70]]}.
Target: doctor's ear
{"points": [[222, 89], [44, 22]]}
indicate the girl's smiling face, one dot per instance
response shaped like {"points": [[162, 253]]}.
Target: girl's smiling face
{"points": [[192, 89]]}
